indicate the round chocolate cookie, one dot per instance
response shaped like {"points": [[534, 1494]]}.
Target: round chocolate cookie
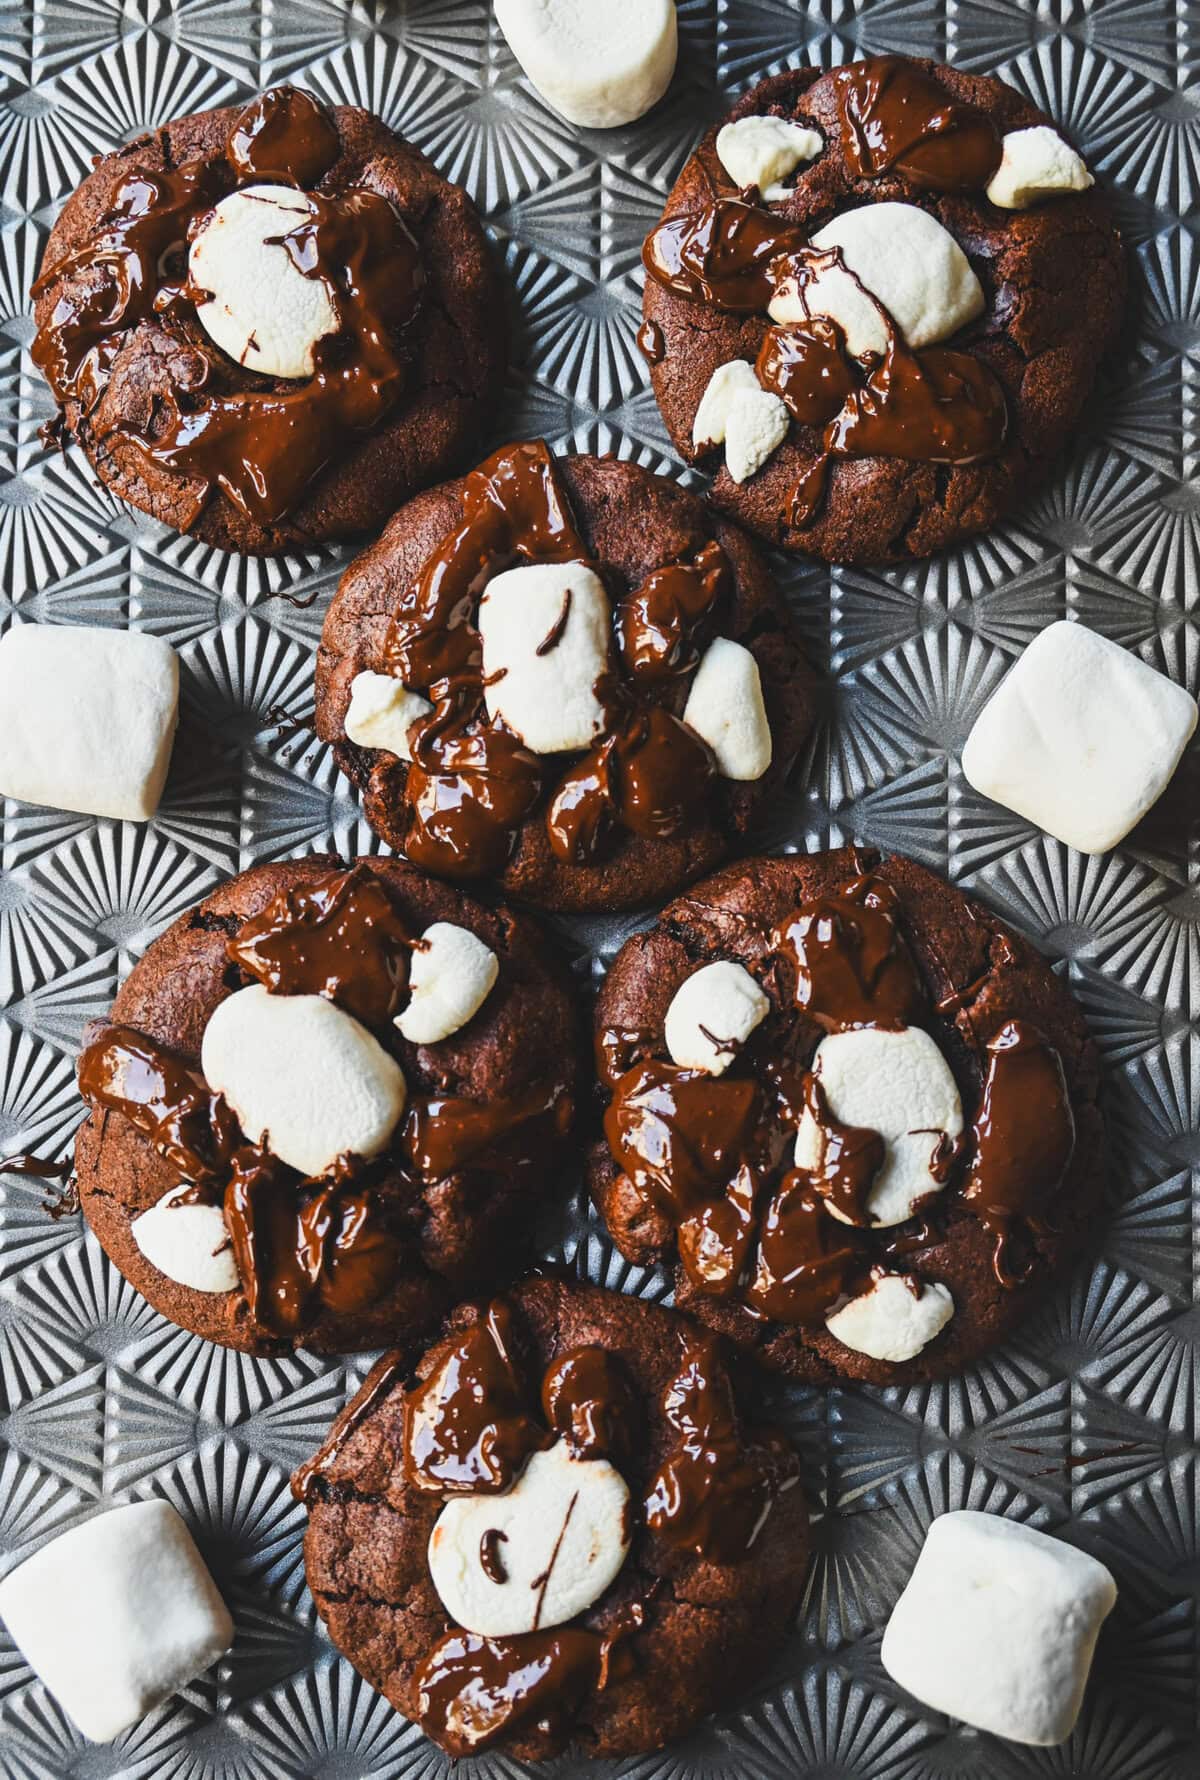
{"points": [[857, 1111], [884, 289], [326, 1103], [563, 674], [555, 1528], [268, 326]]}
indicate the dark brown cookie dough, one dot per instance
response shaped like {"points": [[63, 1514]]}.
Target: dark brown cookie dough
{"points": [[442, 1233], [684, 1634], [631, 523], [450, 348], [950, 967], [1054, 282]]}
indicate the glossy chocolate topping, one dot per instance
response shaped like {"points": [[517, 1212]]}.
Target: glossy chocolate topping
{"points": [[806, 1260], [722, 254], [262, 447], [472, 1690], [680, 1134], [443, 1133], [124, 1071], [472, 783], [340, 936], [851, 964], [587, 1400], [894, 115], [807, 368], [469, 1426], [651, 342], [1023, 1138], [712, 1495], [851, 1157]]}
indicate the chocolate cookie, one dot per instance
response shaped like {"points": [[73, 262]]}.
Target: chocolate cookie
{"points": [[268, 326], [327, 1102], [555, 1529], [594, 726], [898, 376], [858, 1111]]}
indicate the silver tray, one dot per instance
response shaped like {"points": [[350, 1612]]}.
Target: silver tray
{"points": [[1087, 1423]]}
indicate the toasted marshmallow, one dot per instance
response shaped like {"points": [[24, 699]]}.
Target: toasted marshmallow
{"points": [[552, 1545], [898, 1084], [545, 632], [762, 151], [304, 1078], [891, 1322], [263, 311], [116, 1615], [1081, 738], [451, 976], [725, 707], [1036, 164], [381, 712], [903, 257], [998, 1625], [187, 1243], [712, 1014], [599, 65]]}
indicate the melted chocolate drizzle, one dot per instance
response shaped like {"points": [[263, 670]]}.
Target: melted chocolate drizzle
{"points": [[473, 1690], [468, 1427], [895, 116], [851, 964], [123, 1070], [262, 448], [587, 1400]]}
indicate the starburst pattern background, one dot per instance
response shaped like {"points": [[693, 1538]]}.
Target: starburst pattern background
{"points": [[1088, 1423]]}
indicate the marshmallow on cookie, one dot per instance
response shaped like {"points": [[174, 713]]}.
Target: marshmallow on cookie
{"points": [[712, 1014], [1036, 164], [451, 976], [188, 1243], [544, 628], [762, 151], [259, 307], [381, 713], [894, 1319], [735, 411]]}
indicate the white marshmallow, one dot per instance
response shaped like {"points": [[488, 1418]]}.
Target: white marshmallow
{"points": [[563, 1527], [381, 712], [599, 65], [89, 718], [998, 1625], [888, 1322], [756, 425], [187, 1243], [451, 976], [726, 383], [712, 1014], [762, 151], [116, 1615], [902, 256], [303, 1077], [898, 1084], [725, 706], [549, 700], [1081, 738], [1035, 164], [264, 312]]}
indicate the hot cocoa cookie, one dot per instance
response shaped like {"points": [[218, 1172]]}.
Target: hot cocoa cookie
{"points": [[268, 326], [565, 675], [326, 1103], [883, 290], [555, 1528], [857, 1111]]}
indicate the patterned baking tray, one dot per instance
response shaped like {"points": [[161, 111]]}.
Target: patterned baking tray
{"points": [[1087, 1423]]}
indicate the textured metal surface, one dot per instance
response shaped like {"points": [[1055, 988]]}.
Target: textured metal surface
{"points": [[1088, 1422]]}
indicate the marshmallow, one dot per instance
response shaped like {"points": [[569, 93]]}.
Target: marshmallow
{"points": [[998, 1625], [762, 151], [712, 1014], [1035, 164], [756, 425], [381, 712], [304, 1078], [116, 1615], [1081, 738], [553, 1545], [725, 706], [895, 1083], [545, 634], [451, 977], [89, 718], [187, 1243], [889, 1322], [599, 65], [726, 383], [904, 258], [264, 312]]}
